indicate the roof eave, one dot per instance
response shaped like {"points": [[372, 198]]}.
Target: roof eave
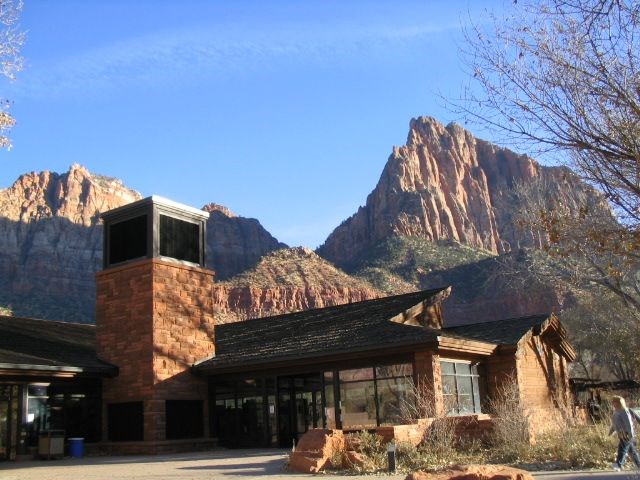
{"points": [[57, 370], [202, 369], [466, 346]]}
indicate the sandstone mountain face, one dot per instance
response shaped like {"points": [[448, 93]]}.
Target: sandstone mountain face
{"points": [[51, 241], [77, 195], [441, 214], [445, 184], [235, 244], [443, 206], [287, 280]]}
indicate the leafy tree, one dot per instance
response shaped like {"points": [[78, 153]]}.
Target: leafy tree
{"points": [[11, 40]]}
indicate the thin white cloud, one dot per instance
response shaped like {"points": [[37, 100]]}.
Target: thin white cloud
{"points": [[165, 57]]}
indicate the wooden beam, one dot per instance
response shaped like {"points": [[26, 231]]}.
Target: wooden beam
{"points": [[466, 346]]}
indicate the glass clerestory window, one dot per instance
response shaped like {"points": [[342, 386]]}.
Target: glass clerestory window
{"points": [[460, 387], [128, 240], [179, 239]]}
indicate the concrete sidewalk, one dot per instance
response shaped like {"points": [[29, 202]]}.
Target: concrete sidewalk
{"points": [[218, 464], [237, 464]]}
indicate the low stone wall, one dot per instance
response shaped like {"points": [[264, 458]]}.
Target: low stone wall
{"points": [[318, 446], [478, 426]]}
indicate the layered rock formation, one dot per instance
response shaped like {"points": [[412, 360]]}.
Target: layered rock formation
{"points": [[284, 281], [441, 207], [51, 241], [235, 244], [445, 184]]}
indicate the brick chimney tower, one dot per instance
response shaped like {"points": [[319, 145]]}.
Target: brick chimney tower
{"points": [[154, 319]]}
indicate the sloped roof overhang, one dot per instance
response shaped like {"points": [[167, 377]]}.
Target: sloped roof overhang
{"points": [[442, 344]]}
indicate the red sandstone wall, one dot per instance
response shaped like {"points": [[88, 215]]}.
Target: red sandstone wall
{"points": [[182, 325], [499, 368], [544, 382], [155, 319], [429, 378], [124, 331]]}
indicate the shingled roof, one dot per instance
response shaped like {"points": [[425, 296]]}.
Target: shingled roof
{"points": [[501, 332], [322, 332], [48, 346]]}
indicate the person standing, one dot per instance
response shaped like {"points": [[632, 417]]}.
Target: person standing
{"points": [[622, 424]]}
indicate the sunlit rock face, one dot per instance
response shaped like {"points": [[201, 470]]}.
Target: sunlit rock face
{"points": [[51, 241], [445, 184]]}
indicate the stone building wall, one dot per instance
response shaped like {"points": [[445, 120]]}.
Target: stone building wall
{"points": [[429, 379], [154, 320], [544, 382]]}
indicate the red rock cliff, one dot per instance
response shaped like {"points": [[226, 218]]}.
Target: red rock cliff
{"points": [[51, 241], [445, 184], [284, 281]]}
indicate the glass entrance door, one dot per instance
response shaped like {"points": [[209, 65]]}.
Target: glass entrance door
{"points": [[299, 406]]}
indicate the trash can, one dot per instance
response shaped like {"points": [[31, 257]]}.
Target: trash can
{"points": [[51, 444], [76, 447]]}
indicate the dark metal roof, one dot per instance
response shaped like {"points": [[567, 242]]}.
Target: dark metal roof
{"points": [[48, 346], [501, 332], [317, 333]]}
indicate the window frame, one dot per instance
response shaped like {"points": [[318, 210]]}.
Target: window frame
{"points": [[475, 395]]}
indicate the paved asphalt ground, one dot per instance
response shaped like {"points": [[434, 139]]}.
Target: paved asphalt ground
{"points": [[220, 464]]}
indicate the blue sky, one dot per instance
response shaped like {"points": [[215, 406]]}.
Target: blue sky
{"points": [[285, 111]]}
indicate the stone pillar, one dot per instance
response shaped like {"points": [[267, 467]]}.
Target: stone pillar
{"points": [[154, 320], [429, 380]]}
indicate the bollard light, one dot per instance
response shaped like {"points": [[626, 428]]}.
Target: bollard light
{"points": [[391, 456]]}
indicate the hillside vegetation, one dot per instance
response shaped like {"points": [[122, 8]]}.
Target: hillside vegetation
{"points": [[402, 263]]}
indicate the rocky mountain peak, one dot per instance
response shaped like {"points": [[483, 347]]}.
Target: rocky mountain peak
{"points": [[298, 266], [76, 195], [51, 241], [287, 280], [445, 184], [214, 207]]}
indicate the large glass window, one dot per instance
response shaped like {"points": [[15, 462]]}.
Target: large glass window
{"points": [[38, 411], [460, 387], [251, 417], [374, 396], [358, 404], [393, 393], [329, 401], [224, 415]]}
